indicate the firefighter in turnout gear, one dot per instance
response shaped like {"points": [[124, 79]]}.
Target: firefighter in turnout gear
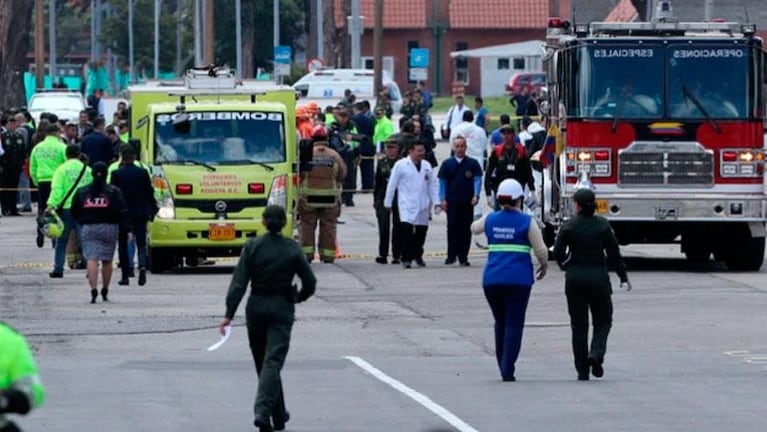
{"points": [[319, 197]]}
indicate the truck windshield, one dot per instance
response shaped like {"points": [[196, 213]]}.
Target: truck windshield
{"points": [[221, 137], [708, 80], [614, 79]]}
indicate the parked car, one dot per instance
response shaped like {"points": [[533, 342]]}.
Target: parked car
{"points": [[532, 81], [326, 87], [65, 104]]}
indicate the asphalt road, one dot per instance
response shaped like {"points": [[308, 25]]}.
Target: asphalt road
{"points": [[380, 348]]}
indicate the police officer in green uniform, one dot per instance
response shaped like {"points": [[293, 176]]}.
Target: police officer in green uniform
{"points": [[580, 250], [20, 387], [269, 262]]}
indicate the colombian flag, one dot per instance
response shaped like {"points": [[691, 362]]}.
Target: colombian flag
{"points": [[552, 146]]}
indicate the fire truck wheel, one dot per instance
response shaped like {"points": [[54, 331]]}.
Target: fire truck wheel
{"points": [[697, 256], [158, 261], [748, 256]]}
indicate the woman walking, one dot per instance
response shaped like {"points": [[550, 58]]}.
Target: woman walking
{"points": [[101, 210], [580, 250], [269, 262], [508, 276]]}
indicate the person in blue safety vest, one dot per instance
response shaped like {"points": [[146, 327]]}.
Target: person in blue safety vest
{"points": [[508, 276]]}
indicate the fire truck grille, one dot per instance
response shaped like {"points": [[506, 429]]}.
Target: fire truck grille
{"points": [[670, 168]]}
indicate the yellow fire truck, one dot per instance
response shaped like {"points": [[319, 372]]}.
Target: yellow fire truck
{"points": [[220, 151]]}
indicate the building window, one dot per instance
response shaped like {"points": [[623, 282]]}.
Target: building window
{"points": [[503, 63], [462, 76], [461, 62], [412, 45], [519, 63]]}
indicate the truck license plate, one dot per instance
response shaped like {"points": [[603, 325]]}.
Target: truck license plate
{"points": [[601, 206], [221, 232]]}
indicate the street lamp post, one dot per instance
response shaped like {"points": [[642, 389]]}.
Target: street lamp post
{"points": [[157, 38], [52, 39], [131, 58]]}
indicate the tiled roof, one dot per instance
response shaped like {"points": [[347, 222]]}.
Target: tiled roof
{"points": [[498, 14], [397, 14], [624, 11]]}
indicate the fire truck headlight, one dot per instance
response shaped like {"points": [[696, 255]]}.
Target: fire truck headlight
{"points": [[584, 156], [601, 169], [746, 156], [747, 170]]}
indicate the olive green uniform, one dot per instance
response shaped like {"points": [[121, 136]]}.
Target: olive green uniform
{"points": [[580, 249], [269, 263]]}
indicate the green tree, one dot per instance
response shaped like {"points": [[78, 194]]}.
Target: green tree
{"points": [[115, 33], [15, 21], [258, 28]]}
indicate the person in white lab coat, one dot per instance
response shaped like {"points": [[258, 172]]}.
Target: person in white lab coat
{"points": [[476, 147], [417, 189]]}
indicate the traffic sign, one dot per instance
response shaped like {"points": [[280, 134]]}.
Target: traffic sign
{"points": [[419, 58], [314, 64], [282, 54], [418, 74]]}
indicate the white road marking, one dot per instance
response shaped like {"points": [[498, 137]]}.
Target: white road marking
{"points": [[413, 394]]}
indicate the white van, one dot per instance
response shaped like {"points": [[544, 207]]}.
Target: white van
{"points": [[327, 86]]}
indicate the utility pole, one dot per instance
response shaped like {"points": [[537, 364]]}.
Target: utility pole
{"points": [[377, 48], [198, 57], [554, 8], [52, 39], [131, 58], [276, 22], [238, 36], [157, 39], [355, 31], [178, 38], [708, 10], [210, 33], [39, 44], [320, 31]]}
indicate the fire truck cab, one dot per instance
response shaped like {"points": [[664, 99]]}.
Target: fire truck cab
{"points": [[665, 121]]}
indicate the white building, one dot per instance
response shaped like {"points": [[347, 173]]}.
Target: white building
{"points": [[499, 62]]}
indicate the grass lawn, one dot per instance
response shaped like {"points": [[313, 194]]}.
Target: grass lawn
{"points": [[496, 105]]}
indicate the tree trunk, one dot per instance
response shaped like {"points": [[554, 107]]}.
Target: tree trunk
{"points": [[330, 49], [15, 21], [248, 38]]}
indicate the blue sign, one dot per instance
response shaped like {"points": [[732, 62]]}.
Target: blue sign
{"points": [[282, 54], [419, 58]]}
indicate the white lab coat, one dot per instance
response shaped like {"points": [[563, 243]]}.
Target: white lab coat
{"points": [[476, 140], [417, 191], [455, 116]]}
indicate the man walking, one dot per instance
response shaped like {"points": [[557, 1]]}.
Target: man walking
{"points": [[319, 193], [417, 192], [508, 160], [388, 221], [460, 185], [15, 153]]}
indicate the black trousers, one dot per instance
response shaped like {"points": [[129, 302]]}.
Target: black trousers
{"points": [[9, 179], [269, 321], [412, 238], [367, 173], [350, 182], [459, 219], [388, 224], [43, 192], [588, 289]]}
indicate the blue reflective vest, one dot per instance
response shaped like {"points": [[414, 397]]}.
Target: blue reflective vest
{"points": [[508, 261]]}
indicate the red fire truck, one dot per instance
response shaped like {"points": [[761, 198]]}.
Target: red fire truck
{"points": [[665, 120]]}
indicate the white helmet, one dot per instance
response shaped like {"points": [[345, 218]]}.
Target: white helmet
{"points": [[510, 188]]}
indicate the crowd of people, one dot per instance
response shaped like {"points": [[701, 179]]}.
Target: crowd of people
{"points": [[64, 167]]}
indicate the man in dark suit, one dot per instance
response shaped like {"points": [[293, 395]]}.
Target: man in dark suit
{"points": [[367, 149], [136, 186], [97, 145]]}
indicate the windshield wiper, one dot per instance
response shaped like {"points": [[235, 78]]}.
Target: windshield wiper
{"points": [[695, 101], [191, 161], [624, 98], [247, 161]]}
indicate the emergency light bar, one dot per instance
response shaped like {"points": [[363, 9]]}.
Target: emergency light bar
{"points": [[615, 28], [211, 79]]}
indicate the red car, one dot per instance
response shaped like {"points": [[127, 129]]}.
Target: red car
{"points": [[533, 81]]}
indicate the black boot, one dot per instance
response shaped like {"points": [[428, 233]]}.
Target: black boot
{"points": [[262, 423], [142, 277], [279, 422], [104, 293], [94, 295]]}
